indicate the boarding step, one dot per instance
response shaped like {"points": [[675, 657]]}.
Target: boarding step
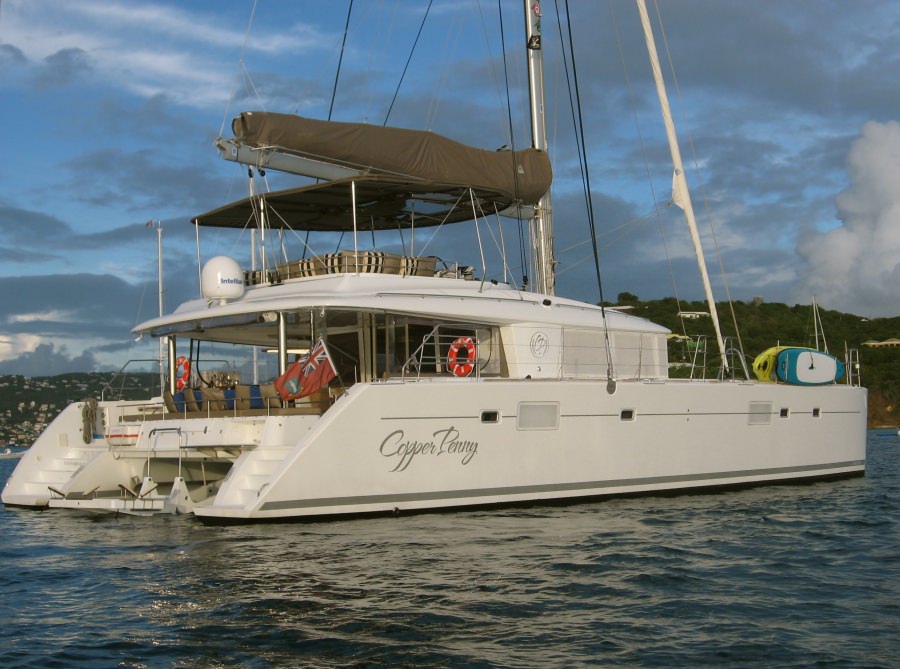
{"points": [[56, 472], [254, 471]]}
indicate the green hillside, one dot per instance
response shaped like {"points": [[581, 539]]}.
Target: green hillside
{"points": [[28, 404]]}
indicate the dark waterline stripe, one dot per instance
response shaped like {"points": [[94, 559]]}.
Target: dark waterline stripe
{"points": [[548, 487]]}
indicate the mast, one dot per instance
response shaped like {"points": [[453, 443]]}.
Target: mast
{"points": [[680, 193], [159, 288], [543, 261]]}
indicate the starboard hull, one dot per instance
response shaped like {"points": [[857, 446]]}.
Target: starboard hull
{"points": [[404, 447]]}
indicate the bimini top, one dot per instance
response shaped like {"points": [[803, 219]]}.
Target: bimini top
{"points": [[382, 203]]}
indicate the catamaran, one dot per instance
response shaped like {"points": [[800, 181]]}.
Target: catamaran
{"points": [[418, 384]]}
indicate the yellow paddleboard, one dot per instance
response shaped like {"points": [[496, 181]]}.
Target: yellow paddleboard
{"points": [[764, 365]]}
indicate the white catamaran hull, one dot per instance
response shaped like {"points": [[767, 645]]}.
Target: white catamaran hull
{"points": [[392, 447]]}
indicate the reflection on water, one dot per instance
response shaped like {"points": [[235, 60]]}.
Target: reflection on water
{"points": [[794, 575]]}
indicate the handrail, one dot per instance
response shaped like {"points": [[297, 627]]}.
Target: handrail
{"points": [[418, 359], [121, 372], [853, 367], [698, 359], [736, 352]]}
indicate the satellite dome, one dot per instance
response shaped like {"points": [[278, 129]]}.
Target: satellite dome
{"points": [[222, 279]]}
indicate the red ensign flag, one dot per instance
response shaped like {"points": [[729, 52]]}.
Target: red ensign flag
{"points": [[307, 375]]}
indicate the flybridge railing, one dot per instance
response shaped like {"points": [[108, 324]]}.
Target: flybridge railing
{"points": [[445, 350]]}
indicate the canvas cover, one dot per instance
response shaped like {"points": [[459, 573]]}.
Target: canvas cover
{"points": [[416, 155]]}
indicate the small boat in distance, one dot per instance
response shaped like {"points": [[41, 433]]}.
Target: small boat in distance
{"points": [[412, 382]]}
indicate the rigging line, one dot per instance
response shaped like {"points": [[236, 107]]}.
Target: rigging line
{"points": [[639, 220], [488, 41], [408, 61], [637, 127], [441, 224], [587, 177], [252, 86], [240, 67], [583, 150], [608, 245], [502, 248], [581, 160], [382, 35], [699, 176], [337, 73], [454, 33], [523, 254], [402, 240], [497, 245], [286, 226]]}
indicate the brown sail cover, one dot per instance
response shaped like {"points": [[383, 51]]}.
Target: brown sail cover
{"points": [[417, 155]]}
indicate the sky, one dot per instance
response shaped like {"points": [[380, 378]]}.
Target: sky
{"points": [[788, 115]]}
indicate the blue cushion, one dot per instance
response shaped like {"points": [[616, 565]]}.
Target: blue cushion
{"points": [[256, 398], [179, 401], [230, 395]]}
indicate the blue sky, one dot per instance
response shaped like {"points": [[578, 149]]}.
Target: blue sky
{"points": [[109, 110]]}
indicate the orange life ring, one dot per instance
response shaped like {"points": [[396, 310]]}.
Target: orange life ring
{"points": [[184, 376], [457, 366]]}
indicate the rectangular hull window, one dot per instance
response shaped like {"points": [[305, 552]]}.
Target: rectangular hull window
{"points": [[490, 416]]}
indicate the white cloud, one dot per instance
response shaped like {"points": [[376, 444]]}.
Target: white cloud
{"points": [[856, 267], [12, 346], [53, 315], [174, 22], [148, 49]]}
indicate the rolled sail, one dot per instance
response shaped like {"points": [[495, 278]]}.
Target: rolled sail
{"points": [[415, 155]]}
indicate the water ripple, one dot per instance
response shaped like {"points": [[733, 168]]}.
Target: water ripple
{"points": [[792, 576]]}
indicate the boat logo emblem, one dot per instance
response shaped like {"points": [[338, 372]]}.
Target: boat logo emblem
{"points": [[539, 345]]}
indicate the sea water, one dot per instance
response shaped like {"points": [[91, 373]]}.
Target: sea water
{"points": [[787, 576]]}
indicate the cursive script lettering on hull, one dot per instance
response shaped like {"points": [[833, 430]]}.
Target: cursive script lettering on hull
{"points": [[445, 441]]}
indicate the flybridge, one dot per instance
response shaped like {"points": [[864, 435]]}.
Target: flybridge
{"points": [[376, 178]]}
